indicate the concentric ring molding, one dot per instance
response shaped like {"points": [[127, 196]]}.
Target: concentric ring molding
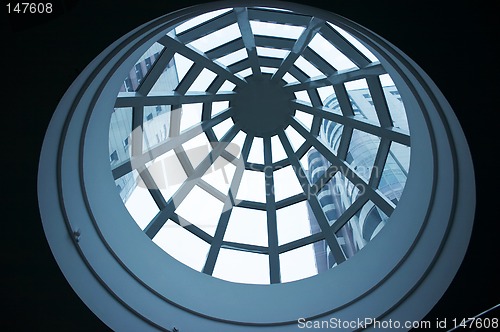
{"points": [[132, 285]]}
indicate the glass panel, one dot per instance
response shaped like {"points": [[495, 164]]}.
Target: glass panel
{"points": [[234, 57], [304, 118], [245, 72], [241, 266], [361, 101], [276, 30], [203, 81], [298, 264], [207, 212], [330, 53], [295, 222], [272, 52], [362, 152], [252, 187], [303, 96], [395, 172], [330, 134], [256, 154], [395, 103], [326, 93], [289, 78], [357, 44], [268, 70], [182, 245], [247, 226], [294, 138], [220, 174], [217, 38], [361, 229], [307, 67], [323, 258], [139, 204], [197, 149], [278, 151], [141, 68], [227, 86], [191, 115], [120, 130], [219, 106], [168, 173], [286, 183], [156, 125], [199, 20], [222, 128]]}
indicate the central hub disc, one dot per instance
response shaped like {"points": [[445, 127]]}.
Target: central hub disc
{"points": [[262, 106]]}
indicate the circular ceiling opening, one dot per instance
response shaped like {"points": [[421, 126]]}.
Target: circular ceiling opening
{"points": [[246, 167], [255, 138]]}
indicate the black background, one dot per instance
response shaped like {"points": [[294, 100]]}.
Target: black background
{"points": [[455, 42]]}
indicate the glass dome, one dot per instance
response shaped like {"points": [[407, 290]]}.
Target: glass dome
{"points": [[259, 145], [256, 175]]}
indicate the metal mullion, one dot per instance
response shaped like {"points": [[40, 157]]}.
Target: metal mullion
{"points": [[168, 145], [274, 42], [345, 142], [251, 205], [137, 131], [344, 46], [349, 213], [153, 189], [313, 201], [342, 76], [211, 190], [207, 27], [302, 150], [298, 73], [307, 35], [379, 101], [272, 228], [343, 99], [245, 247], [225, 49], [323, 180], [354, 122], [159, 220], [239, 66], [318, 61], [301, 242], [201, 59], [316, 102], [254, 167], [133, 99], [290, 201], [248, 39], [229, 203], [378, 198], [155, 72], [193, 229], [379, 163], [189, 78], [267, 61], [183, 158], [280, 164]]}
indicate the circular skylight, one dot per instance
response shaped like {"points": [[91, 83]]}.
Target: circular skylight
{"points": [[258, 145], [232, 167]]}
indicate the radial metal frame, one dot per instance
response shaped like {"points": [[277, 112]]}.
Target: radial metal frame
{"points": [[332, 77]]}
